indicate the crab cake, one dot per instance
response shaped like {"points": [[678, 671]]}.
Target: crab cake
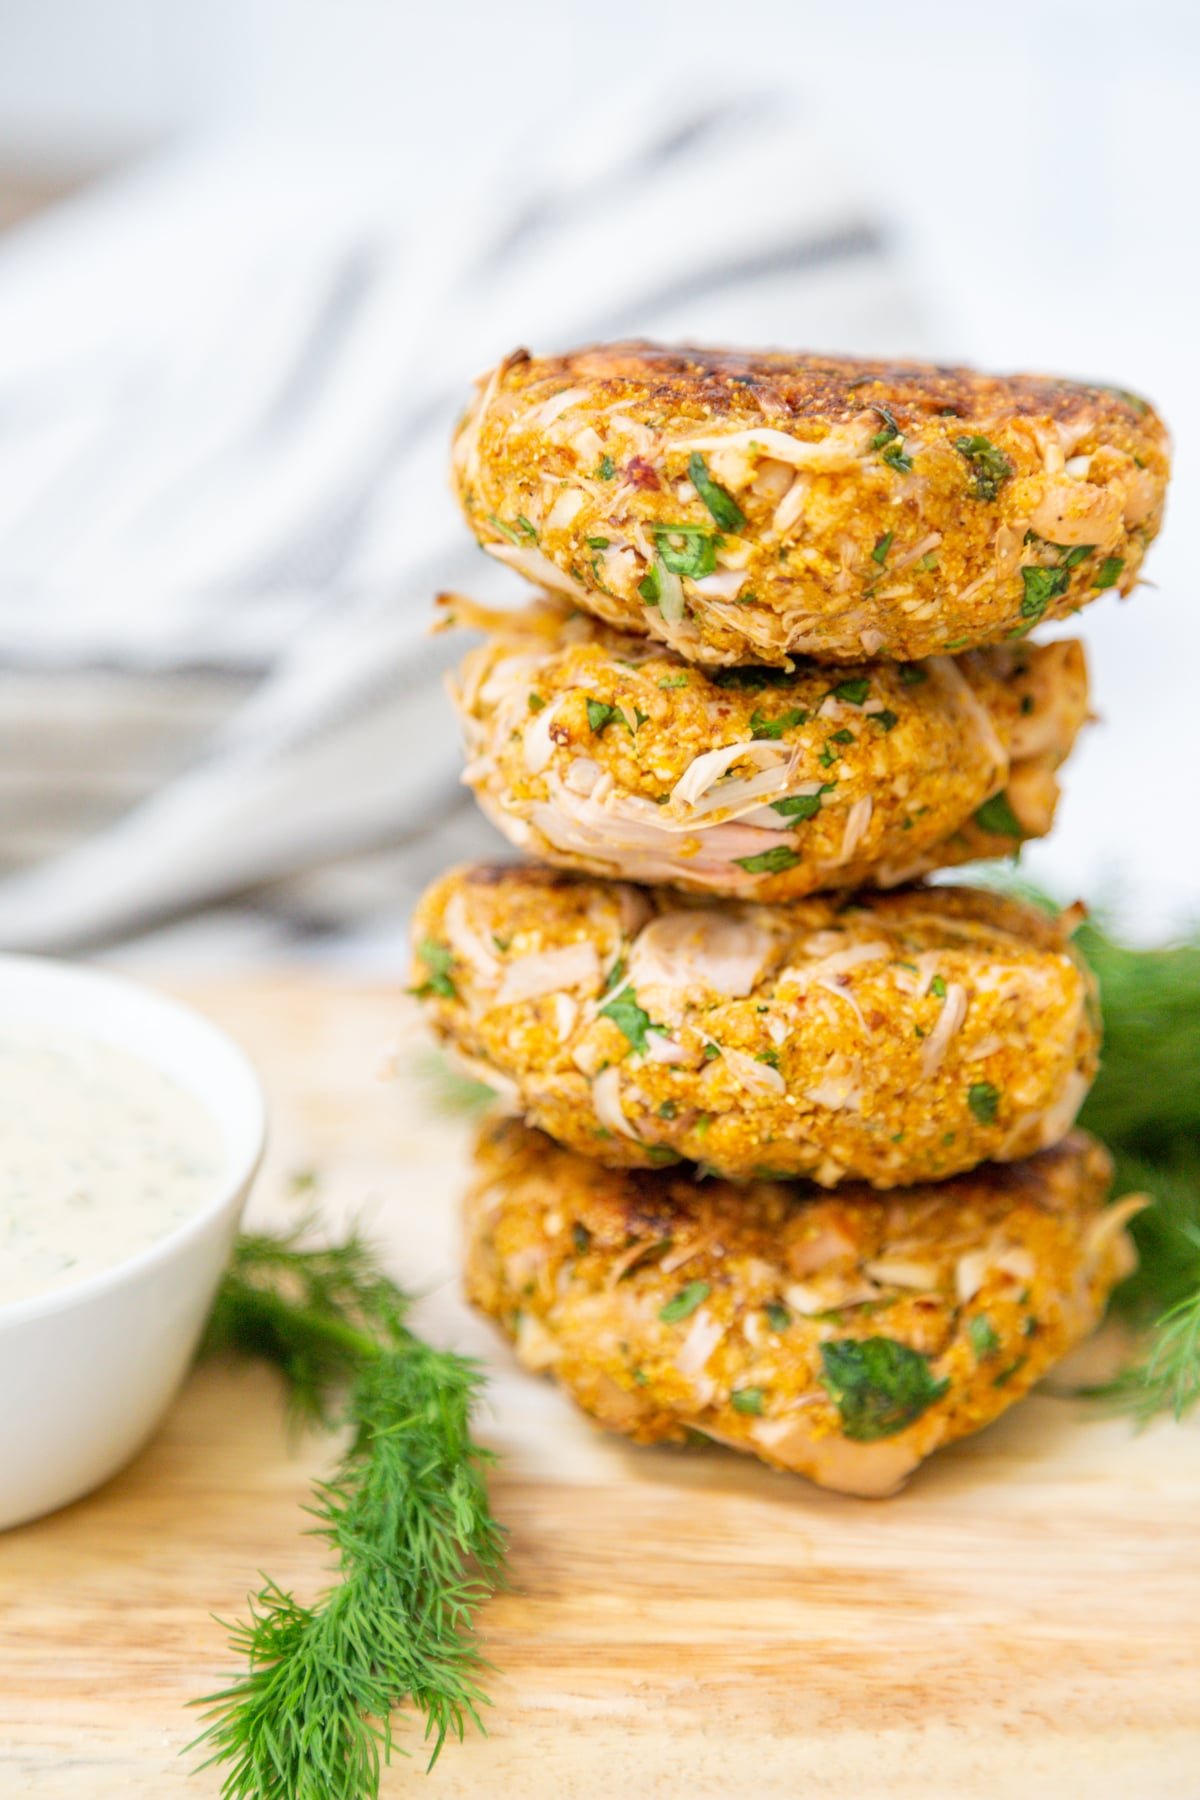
{"points": [[607, 753], [747, 506], [891, 1038], [844, 1337]]}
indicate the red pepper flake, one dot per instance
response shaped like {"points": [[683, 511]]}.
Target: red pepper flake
{"points": [[641, 473]]}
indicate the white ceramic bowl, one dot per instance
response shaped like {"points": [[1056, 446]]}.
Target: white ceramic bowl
{"points": [[87, 1371]]}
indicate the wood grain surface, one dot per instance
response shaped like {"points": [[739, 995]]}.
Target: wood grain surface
{"points": [[1023, 1621]]}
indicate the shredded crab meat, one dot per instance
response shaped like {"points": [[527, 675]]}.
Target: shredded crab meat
{"points": [[740, 451], [537, 567], [722, 584], [701, 948], [839, 962], [846, 997], [567, 506], [858, 820], [537, 745], [756, 1077], [695, 787], [947, 673], [566, 1014], [548, 972], [466, 942], [902, 1272], [606, 1098], [701, 1339], [552, 409], [949, 1020], [921, 548], [838, 1093], [671, 603]]}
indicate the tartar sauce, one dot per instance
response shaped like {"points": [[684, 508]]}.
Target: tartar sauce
{"points": [[100, 1155]]}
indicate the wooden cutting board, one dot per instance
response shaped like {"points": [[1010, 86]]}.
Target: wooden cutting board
{"points": [[1023, 1621]]}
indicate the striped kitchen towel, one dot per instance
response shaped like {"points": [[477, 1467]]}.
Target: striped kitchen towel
{"points": [[227, 386]]}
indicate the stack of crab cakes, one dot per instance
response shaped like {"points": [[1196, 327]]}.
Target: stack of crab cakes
{"points": [[790, 1157]]}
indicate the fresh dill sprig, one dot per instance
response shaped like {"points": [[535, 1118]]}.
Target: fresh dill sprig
{"points": [[406, 1515], [1146, 1106]]}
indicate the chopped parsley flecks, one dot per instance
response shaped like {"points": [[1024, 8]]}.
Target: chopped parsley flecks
{"points": [[913, 674], [649, 587], [632, 1020], [536, 703], [695, 556], [438, 960], [997, 816], [711, 1052], [1072, 558], [581, 1237], [882, 546], [747, 1400], [853, 691], [1006, 1375], [887, 432], [526, 529], [598, 543], [769, 862], [600, 715], [897, 457], [508, 531], [878, 1384], [667, 1110], [937, 987], [984, 1101], [1109, 572], [1041, 587], [842, 737], [763, 727], [615, 976], [886, 720], [770, 1057], [802, 806], [778, 1316], [606, 468], [674, 681], [990, 468], [683, 1304], [985, 1340], [719, 501]]}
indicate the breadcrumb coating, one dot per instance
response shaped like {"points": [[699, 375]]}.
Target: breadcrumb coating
{"points": [[886, 1038], [750, 506], [602, 752], [843, 1337]]}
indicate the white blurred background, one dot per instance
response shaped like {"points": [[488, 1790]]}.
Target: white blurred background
{"points": [[1033, 167]]}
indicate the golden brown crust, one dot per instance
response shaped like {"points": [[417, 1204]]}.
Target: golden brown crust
{"points": [[665, 1304], [878, 508], [603, 752], [891, 1038]]}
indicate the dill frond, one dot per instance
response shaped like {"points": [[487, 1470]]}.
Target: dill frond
{"points": [[405, 1514], [1146, 1106]]}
